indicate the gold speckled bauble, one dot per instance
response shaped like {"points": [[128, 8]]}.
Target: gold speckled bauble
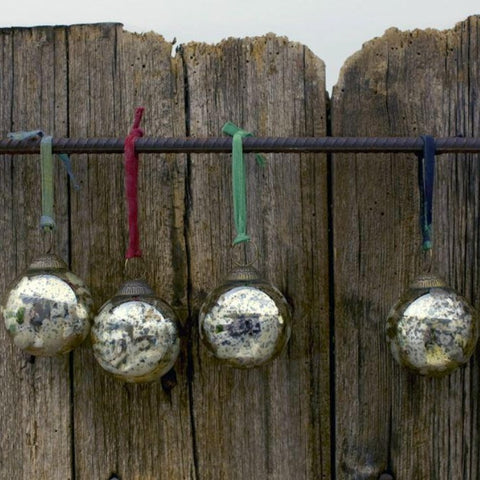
{"points": [[246, 321], [432, 329], [48, 310], [135, 334]]}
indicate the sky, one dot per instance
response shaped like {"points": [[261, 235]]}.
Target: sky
{"points": [[333, 30]]}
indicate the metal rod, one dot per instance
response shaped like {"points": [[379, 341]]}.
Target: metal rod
{"points": [[251, 144]]}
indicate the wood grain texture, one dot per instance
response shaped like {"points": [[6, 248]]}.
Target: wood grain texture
{"points": [[271, 422], [35, 427], [60, 420], [135, 431], [404, 83], [77, 422]]}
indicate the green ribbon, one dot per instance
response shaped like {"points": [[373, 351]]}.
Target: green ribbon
{"points": [[239, 180], [35, 134], [47, 222], [46, 161]]}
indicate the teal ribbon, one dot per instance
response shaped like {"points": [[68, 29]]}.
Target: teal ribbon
{"points": [[63, 156], [47, 221], [239, 185]]}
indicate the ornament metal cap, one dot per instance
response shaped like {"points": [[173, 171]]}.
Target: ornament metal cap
{"points": [[243, 273], [134, 288], [428, 280], [49, 261]]}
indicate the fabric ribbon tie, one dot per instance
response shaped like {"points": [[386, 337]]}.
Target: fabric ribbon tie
{"points": [[46, 158], [131, 185], [239, 180], [47, 222], [32, 134], [426, 177]]}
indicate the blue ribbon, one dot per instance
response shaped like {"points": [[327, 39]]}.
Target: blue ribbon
{"points": [[426, 178]]}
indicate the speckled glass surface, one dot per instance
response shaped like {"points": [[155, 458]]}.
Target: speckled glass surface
{"points": [[135, 338], [48, 310], [432, 331], [245, 323]]}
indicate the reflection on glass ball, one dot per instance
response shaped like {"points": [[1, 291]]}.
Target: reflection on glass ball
{"points": [[246, 321], [48, 310], [135, 334], [432, 329]]}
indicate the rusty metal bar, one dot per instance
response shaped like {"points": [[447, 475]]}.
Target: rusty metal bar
{"points": [[251, 144]]}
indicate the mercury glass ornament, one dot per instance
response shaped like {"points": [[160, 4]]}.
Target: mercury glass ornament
{"points": [[48, 310], [246, 321], [432, 329], [135, 334]]}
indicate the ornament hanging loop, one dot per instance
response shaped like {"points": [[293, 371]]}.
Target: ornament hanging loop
{"points": [[245, 262], [427, 260], [135, 267], [48, 236]]}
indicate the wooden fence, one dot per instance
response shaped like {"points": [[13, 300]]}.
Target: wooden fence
{"points": [[339, 236]]}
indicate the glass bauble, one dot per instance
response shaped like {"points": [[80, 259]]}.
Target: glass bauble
{"points": [[135, 335], [432, 329], [246, 321], [48, 311]]}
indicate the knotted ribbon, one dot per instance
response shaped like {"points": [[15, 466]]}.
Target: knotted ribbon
{"points": [[131, 185]]}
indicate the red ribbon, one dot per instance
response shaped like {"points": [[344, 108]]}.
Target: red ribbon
{"points": [[131, 185]]}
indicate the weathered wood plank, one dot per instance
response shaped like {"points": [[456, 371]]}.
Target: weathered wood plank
{"points": [[35, 395], [135, 431], [272, 422], [404, 83]]}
